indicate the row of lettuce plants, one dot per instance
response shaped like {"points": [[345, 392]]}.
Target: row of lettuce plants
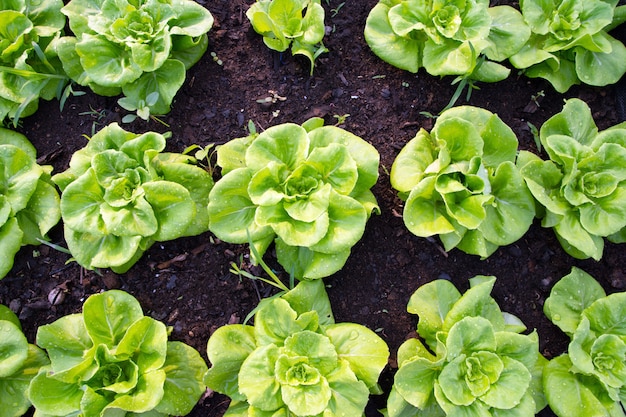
{"points": [[295, 359], [470, 358], [111, 359], [307, 189], [466, 182], [564, 42], [142, 50], [138, 49]]}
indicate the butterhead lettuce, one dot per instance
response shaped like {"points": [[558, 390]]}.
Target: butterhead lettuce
{"points": [[591, 377], [460, 182], [475, 361], [446, 37], [19, 363], [570, 44], [295, 360], [305, 187], [110, 359], [121, 194], [139, 48], [295, 23], [29, 202], [29, 66], [582, 186]]}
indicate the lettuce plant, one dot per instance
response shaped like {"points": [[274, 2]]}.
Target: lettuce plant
{"points": [[590, 379], [475, 361], [19, 363], [460, 182], [139, 48], [295, 360], [299, 23], [570, 43], [447, 37], [29, 202], [121, 194], [582, 187], [306, 187], [29, 66], [112, 360]]}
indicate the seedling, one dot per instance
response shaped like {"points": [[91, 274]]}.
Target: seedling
{"points": [[341, 119], [335, 11], [273, 98]]}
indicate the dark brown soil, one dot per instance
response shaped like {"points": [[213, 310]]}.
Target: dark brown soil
{"points": [[186, 283]]}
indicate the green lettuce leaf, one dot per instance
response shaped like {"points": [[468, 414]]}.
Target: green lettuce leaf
{"points": [[30, 66], [447, 37], [29, 204], [473, 363]]}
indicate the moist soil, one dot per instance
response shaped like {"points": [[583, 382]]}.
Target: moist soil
{"points": [[187, 284]]}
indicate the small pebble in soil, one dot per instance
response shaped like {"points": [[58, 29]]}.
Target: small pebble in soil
{"points": [[547, 255], [618, 279], [338, 92], [403, 258], [179, 326], [111, 280], [385, 93], [544, 284], [15, 305], [445, 275], [171, 282], [56, 296]]}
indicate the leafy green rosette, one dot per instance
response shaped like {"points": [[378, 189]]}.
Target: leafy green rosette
{"points": [[306, 187], [112, 360], [590, 379], [296, 360], [570, 43], [29, 202], [447, 37], [29, 65], [121, 194], [295, 23], [139, 48], [19, 363], [582, 187], [475, 361], [460, 182]]}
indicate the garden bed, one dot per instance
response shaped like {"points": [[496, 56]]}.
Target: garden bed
{"points": [[187, 284]]}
